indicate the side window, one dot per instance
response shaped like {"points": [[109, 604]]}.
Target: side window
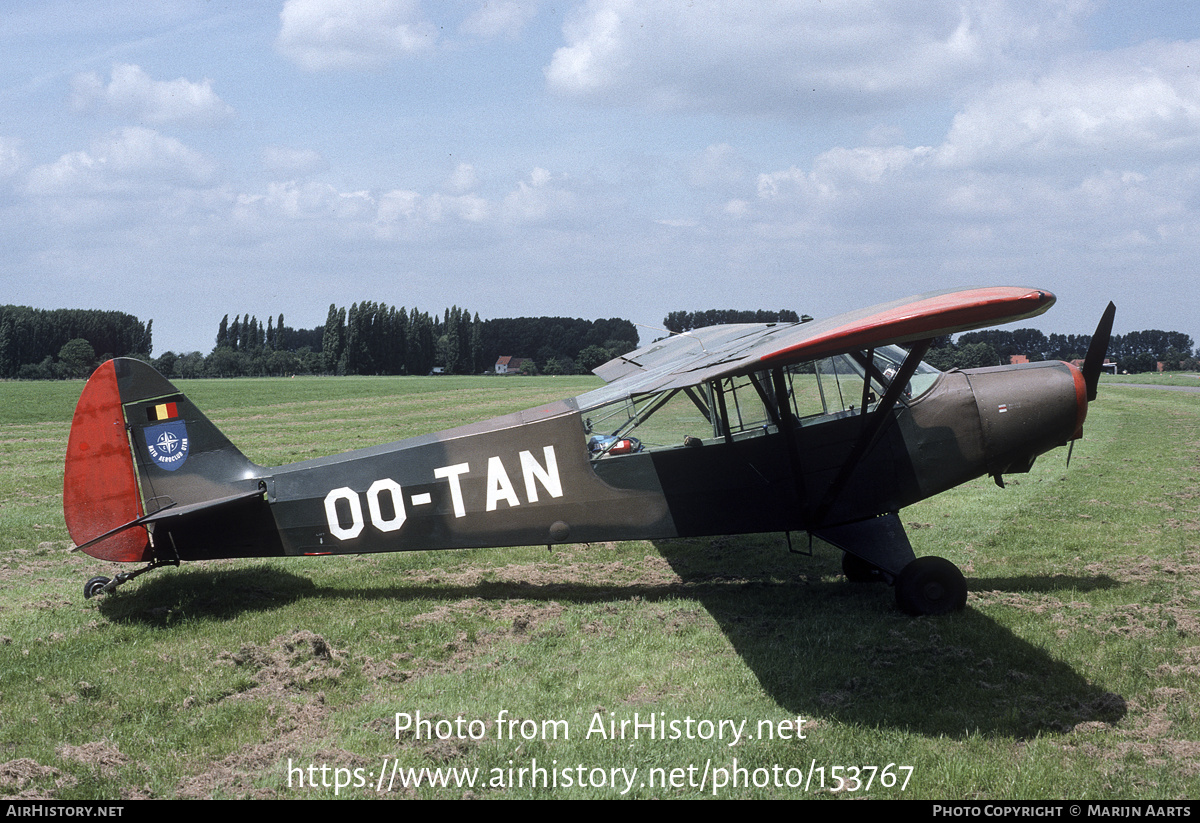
{"points": [[731, 408], [659, 421], [828, 388], [842, 385], [746, 399]]}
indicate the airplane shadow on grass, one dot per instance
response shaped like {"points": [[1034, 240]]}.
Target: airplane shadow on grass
{"points": [[819, 646], [822, 646]]}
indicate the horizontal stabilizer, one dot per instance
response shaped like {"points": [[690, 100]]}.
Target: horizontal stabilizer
{"points": [[172, 512]]}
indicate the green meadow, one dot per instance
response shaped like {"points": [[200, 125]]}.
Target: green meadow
{"points": [[723, 667]]}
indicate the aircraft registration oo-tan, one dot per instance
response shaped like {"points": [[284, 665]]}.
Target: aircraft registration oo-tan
{"points": [[827, 427]]}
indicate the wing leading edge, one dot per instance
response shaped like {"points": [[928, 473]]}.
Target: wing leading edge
{"points": [[720, 351]]}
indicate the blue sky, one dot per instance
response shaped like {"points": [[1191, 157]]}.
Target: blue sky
{"points": [[190, 159]]}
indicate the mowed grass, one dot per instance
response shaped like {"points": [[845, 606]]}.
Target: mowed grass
{"points": [[1169, 378], [1071, 674]]}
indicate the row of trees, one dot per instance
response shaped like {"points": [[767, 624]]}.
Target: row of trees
{"points": [[681, 321], [1135, 352], [557, 345], [50, 343], [247, 334], [375, 338]]}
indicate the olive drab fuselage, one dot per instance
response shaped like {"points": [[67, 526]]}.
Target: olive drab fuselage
{"points": [[828, 428]]}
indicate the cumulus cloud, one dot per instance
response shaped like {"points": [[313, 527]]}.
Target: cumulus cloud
{"points": [[12, 156], [1077, 145], [403, 214], [133, 94], [129, 160], [538, 199], [1125, 105], [1088, 168], [783, 56], [287, 161], [463, 179], [717, 166], [320, 35], [499, 18]]}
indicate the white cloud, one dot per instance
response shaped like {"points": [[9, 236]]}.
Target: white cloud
{"points": [[352, 34], [306, 202], [537, 199], [499, 18], [12, 156], [1115, 107], [133, 94], [126, 161], [287, 161], [403, 214], [463, 179], [1099, 151], [839, 55], [717, 166]]}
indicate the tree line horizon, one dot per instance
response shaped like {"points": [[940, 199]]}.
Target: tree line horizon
{"points": [[370, 338]]}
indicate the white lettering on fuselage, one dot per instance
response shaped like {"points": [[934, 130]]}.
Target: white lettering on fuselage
{"points": [[499, 489]]}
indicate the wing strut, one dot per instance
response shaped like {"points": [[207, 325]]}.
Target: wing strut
{"points": [[786, 422], [872, 428]]}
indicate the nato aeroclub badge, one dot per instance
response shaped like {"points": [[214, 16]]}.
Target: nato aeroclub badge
{"points": [[167, 444]]}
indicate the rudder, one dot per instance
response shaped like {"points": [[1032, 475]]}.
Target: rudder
{"points": [[100, 490]]}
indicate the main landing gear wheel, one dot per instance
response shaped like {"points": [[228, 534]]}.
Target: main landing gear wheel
{"points": [[858, 570], [94, 587], [931, 585]]}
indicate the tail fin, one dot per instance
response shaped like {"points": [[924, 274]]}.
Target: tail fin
{"points": [[140, 452]]}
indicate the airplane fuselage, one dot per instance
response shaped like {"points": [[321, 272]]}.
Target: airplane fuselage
{"points": [[528, 478]]}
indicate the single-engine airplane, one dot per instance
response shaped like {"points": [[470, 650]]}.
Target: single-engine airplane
{"points": [[827, 427]]}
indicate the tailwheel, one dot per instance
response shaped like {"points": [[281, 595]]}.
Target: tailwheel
{"points": [[94, 586], [931, 585], [101, 585], [858, 570]]}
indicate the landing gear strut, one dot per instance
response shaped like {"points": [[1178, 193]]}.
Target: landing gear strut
{"points": [[101, 585], [858, 570]]}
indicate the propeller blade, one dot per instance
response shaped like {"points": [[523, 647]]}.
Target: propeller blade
{"points": [[1096, 351]]}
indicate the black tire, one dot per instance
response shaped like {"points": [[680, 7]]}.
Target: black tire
{"points": [[931, 585], [858, 570], [94, 587]]}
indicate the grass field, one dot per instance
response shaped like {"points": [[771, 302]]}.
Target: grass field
{"points": [[1170, 378], [1072, 673]]}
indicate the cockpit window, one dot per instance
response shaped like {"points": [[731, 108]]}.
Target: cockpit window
{"points": [[890, 358], [749, 405], [849, 382]]}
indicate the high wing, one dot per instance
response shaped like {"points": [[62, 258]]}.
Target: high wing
{"points": [[720, 351]]}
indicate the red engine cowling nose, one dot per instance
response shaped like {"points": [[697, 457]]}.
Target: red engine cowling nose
{"points": [[1081, 400]]}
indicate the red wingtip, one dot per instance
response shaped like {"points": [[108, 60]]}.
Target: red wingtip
{"points": [[100, 490]]}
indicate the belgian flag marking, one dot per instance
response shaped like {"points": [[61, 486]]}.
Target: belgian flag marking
{"points": [[163, 411]]}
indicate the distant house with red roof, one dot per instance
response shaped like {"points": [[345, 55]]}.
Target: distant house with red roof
{"points": [[509, 365]]}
